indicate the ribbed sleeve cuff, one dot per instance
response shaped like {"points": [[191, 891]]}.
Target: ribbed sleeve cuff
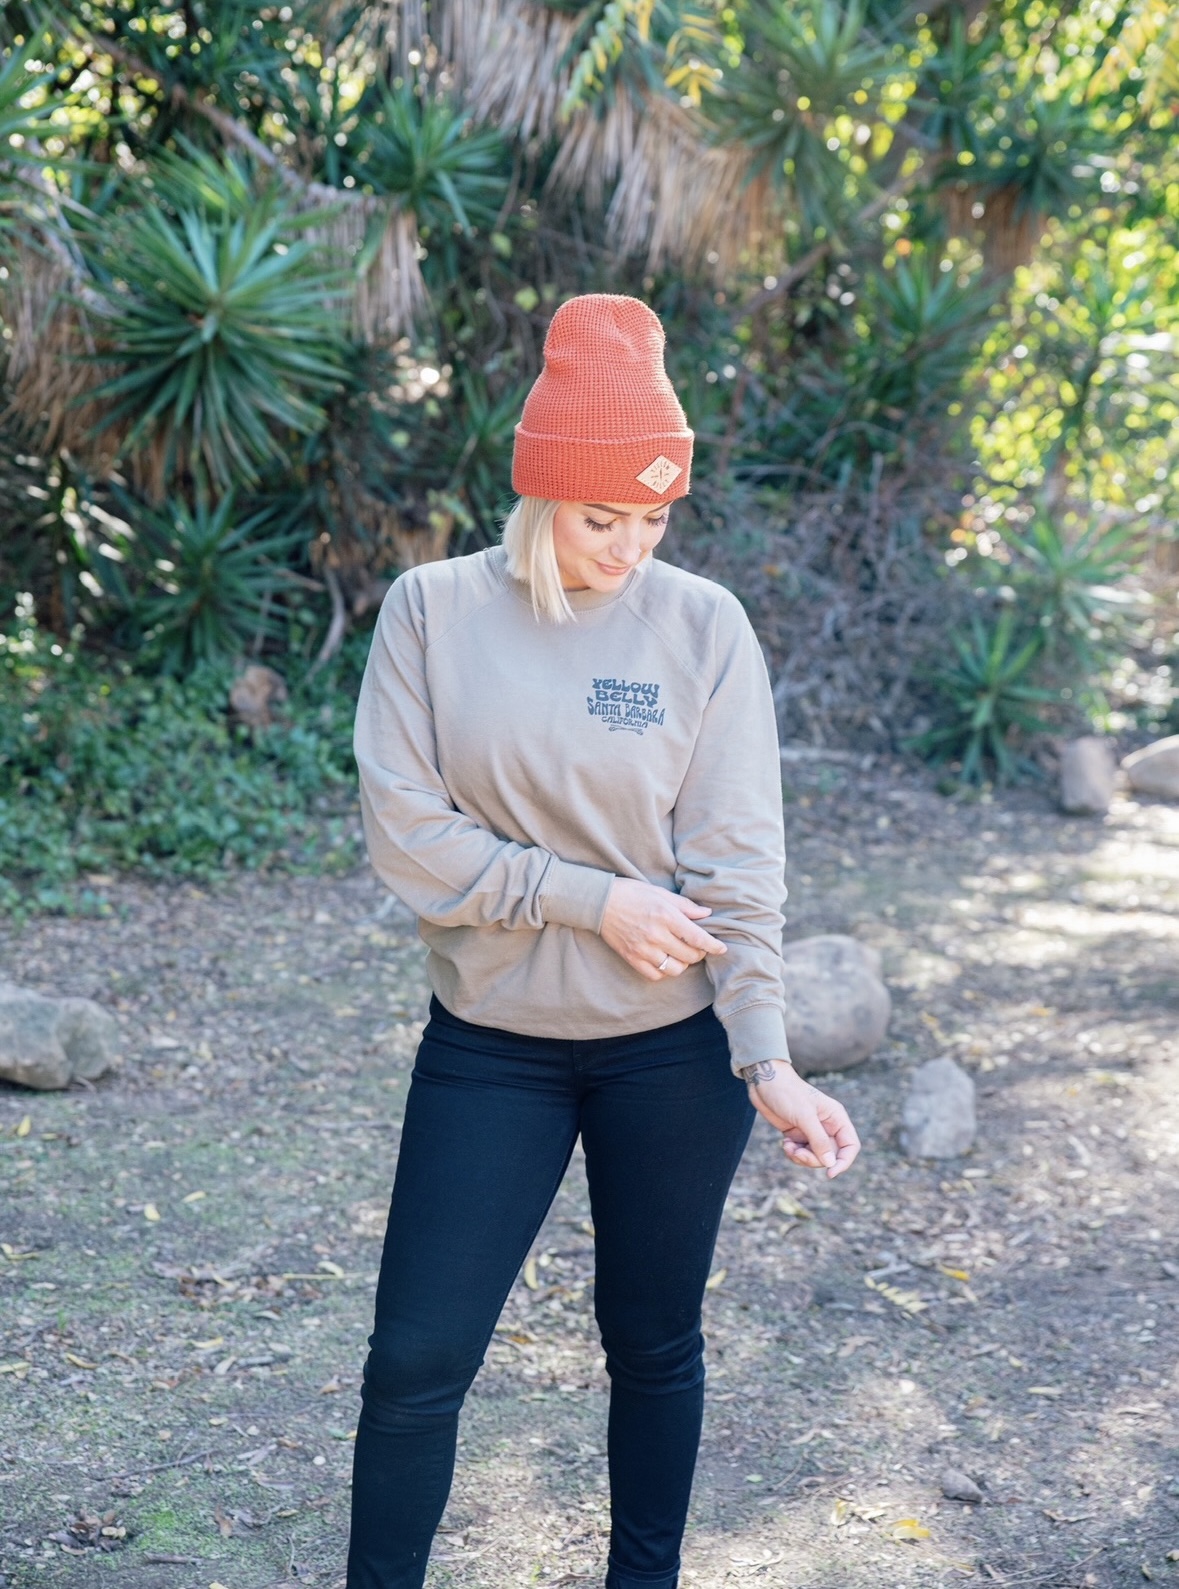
{"points": [[756, 1032], [575, 896]]}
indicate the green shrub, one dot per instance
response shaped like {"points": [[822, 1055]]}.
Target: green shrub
{"points": [[103, 769], [987, 696]]}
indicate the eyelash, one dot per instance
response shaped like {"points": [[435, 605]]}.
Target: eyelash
{"points": [[656, 524]]}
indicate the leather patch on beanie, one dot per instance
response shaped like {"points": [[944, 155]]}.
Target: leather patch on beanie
{"points": [[659, 474]]}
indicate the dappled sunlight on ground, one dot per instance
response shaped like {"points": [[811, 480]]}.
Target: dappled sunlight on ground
{"points": [[1012, 1314]]}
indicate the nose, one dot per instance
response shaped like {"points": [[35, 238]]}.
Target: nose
{"points": [[626, 545]]}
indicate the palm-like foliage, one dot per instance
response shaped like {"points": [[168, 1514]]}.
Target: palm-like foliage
{"points": [[205, 579], [986, 692], [902, 362], [225, 336], [1069, 582], [424, 152], [19, 121]]}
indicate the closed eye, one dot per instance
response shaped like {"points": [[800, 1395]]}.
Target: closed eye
{"points": [[654, 524]]}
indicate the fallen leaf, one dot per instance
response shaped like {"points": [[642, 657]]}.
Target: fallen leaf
{"points": [[25, 1127], [841, 1513], [20, 1369], [715, 1280], [330, 1268], [1045, 1390], [908, 1528], [530, 1276], [79, 1362], [13, 1255], [853, 1344], [955, 1274], [151, 1213], [907, 1301], [790, 1206], [193, 1197], [207, 1346], [331, 1388]]}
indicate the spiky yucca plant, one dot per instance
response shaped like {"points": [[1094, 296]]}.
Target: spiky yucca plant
{"points": [[224, 334]]}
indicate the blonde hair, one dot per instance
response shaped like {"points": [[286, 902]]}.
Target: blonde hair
{"points": [[532, 557]]}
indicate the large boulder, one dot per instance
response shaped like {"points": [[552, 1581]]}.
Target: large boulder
{"points": [[938, 1119], [1087, 773], [1154, 770], [837, 1006], [47, 1042]]}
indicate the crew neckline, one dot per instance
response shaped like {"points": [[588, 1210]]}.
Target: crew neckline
{"points": [[579, 600]]}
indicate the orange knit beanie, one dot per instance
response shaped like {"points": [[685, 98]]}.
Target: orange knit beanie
{"points": [[602, 423]]}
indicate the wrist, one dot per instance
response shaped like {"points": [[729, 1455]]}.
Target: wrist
{"points": [[764, 1070]]}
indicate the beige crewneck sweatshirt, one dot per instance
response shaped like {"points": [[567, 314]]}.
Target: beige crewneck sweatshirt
{"points": [[512, 767]]}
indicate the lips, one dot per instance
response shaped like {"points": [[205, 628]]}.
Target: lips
{"points": [[606, 569]]}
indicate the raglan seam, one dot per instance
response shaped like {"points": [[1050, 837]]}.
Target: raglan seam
{"points": [[676, 657], [487, 601]]}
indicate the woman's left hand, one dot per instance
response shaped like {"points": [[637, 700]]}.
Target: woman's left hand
{"points": [[817, 1132]]}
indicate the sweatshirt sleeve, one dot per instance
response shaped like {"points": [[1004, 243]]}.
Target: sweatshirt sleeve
{"points": [[729, 843], [441, 863]]}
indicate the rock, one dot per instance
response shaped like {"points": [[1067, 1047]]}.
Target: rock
{"points": [[255, 693], [1087, 776], [1154, 770], [837, 1006], [938, 1120], [47, 1042], [959, 1486]]}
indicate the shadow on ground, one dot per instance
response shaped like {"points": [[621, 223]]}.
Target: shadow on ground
{"points": [[190, 1248]]}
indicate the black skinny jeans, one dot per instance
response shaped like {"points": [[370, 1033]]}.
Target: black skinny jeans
{"points": [[490, 1125]]}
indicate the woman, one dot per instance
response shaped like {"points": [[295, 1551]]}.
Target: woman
{"points": [[569, 770]]}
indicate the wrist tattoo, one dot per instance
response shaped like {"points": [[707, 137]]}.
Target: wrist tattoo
{"points": [[763, 1070]]}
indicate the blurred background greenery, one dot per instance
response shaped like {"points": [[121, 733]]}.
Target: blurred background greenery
{"points": [[274, 281]]}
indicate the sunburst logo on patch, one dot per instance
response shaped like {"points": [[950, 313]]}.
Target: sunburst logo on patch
{"points": [[659, 474]]}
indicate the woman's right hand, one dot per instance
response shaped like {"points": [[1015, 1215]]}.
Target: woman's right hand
{"points": [[654, 929]]}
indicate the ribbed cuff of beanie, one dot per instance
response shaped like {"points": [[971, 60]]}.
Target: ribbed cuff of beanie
{"points": [[575, 896], [571, 469], [756, 1032]]}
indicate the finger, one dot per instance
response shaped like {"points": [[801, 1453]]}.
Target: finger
{"points": [[799, 1153], [690, 907], [674, 967], [696, 938], [643, 967], [839, 1127], [817, 1139], [680, 949]]}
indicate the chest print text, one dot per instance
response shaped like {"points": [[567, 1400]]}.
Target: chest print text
{"points": [[622, 704]]}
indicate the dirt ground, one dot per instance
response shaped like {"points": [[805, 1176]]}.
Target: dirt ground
{"points": [[190, 1246]]}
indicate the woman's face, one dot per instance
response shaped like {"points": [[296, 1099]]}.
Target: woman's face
{"points": [[598, 543]]}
